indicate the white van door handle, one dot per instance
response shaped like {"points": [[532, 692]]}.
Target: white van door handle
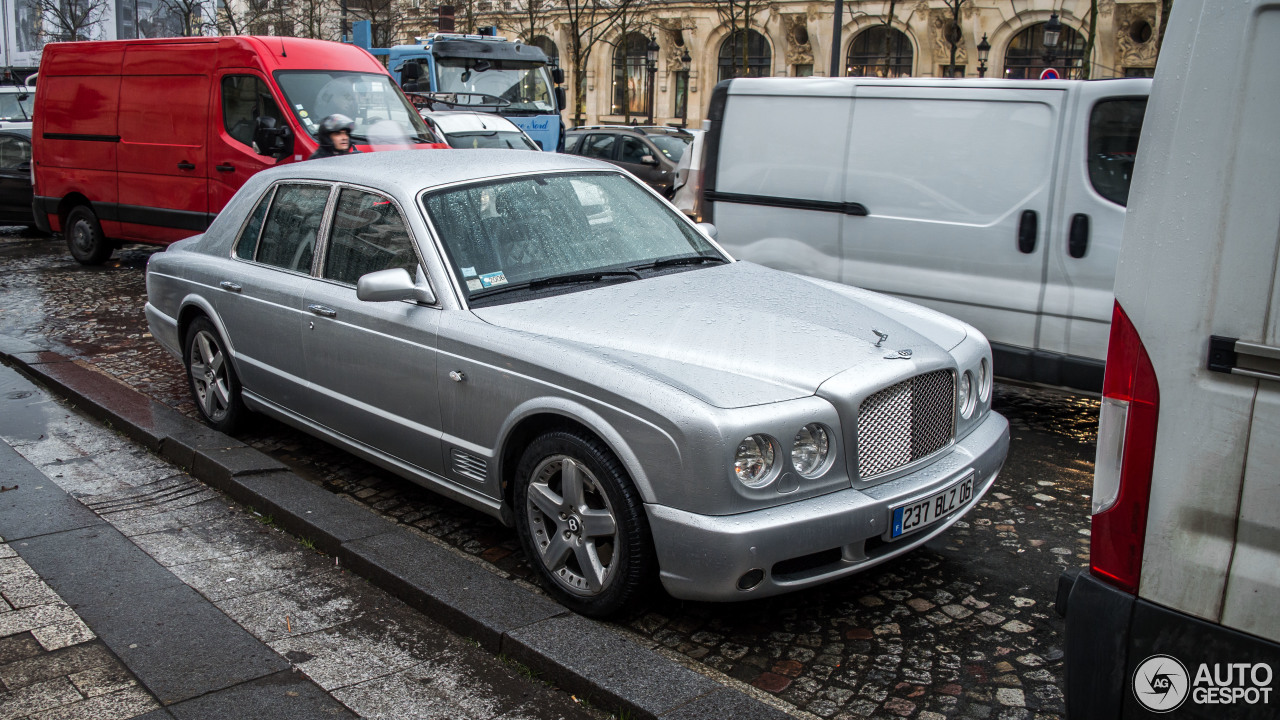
{"points": [[1028, 227], [1237, 357]]}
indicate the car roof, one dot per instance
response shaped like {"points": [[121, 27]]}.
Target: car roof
{"points": [[472, 122], [408, 171]]}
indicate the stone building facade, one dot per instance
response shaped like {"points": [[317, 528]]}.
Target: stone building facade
{"points": [[697, 47]]}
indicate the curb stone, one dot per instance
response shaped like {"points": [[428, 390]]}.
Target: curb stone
{"points": [[579, 654]]}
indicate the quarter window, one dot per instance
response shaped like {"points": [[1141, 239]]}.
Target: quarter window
{"points": [[245, 98], [598, 146], [289, 236], [368, 235], [1114, 127], [248, 241]]}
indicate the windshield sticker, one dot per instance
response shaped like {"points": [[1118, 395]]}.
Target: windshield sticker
{"points": [[303, 113], [493, 278], [468, 272], [474, 284]]}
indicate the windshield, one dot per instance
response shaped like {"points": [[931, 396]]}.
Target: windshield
{"points": [[382, 115], [491, 139], [514, 232], [522, 85], [11, 108], [673, 146]]}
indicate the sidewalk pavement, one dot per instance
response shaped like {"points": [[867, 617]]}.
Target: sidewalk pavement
{"points": [[245, 659]]}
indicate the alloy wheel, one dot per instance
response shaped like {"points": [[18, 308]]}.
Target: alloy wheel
{"points": [[209, 376], [572, 524]]}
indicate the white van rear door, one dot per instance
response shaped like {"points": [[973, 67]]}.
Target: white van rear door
{"points": [[948, 180], [1104, 119]]}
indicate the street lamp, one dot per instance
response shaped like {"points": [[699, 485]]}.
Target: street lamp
{"points": [[1052, 33], [651, 59], [984, 50]]}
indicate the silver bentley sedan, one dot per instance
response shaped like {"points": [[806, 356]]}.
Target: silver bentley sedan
{"points": [[543, 338]]}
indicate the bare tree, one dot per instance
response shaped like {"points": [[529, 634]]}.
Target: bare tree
{"points": [[244, 18], [193, 16], [953, 34], [381, 15], [71, 19], [314, 19], [588, 22]]}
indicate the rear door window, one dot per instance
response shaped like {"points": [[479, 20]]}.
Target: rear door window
{"points": [[598, 146], [289, 235], [1114, 127]]}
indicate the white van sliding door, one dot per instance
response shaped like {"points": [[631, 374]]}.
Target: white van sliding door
{"points": [[958, 195]]}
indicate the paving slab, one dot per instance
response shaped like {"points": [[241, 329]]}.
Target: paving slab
{"points": [[274, 697], [32, 505], [458, 593]]}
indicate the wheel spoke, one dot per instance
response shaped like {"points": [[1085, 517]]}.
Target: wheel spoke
{"points": [[556, 552], [197, 369], [571, 483], [545, 500], [220, 392], [215, 363], [589, 560], [597, 523], [206, 352], [207, 401]]}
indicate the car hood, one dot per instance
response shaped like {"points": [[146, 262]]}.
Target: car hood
{"points": [[731, 335]]}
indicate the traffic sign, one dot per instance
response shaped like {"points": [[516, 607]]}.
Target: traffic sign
{"points": [[1049, 74]]}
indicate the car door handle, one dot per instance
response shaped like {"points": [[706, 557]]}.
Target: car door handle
{"points": [[322, 311], [1078, 236], [1237, 357], [225, 168], [228, 285], [184, 165], [1027, 228]]}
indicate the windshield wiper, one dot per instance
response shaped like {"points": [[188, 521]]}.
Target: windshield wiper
{"points": [[591, 276], [684, 260]]}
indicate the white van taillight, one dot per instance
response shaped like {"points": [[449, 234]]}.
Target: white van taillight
{"points": [[1126, 451]]}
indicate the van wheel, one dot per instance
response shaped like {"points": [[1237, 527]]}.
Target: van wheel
{"points": [[582, 524], [211, 378], [84, 237]]}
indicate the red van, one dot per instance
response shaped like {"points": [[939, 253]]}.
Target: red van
{"points": [[146, 140]]}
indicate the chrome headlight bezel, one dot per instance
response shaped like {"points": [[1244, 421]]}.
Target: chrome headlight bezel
{"points": [[966, 394]]}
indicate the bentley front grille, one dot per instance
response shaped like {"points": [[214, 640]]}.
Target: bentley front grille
{"points": [[906, 422]]}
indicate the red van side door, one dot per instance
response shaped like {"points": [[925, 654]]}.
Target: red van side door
{"points": [[240, 97], [163, 168]]}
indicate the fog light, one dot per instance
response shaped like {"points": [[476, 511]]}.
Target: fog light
{"points": [[751, 579]]}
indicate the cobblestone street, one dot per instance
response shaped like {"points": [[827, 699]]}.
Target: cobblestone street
{"points": [[962, 628]]}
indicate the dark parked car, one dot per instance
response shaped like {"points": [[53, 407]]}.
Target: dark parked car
{"points": [[648, 152], [15, 177]]}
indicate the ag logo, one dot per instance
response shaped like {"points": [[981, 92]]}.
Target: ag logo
{"points": [[1161, 683]]}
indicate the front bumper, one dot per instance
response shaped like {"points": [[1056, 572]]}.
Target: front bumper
{"points": [[814, 541]]}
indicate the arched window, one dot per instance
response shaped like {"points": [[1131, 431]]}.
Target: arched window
{"points": [[745, 53], [630, 81], [548, 46], [880, 51], [1025, 57]]}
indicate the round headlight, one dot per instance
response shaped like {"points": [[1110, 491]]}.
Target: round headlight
{"points": [[984, 380], [754, 461], [810, 451], [967, 394]]}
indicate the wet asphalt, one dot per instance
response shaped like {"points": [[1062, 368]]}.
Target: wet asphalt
{"points": [[961, 628]]}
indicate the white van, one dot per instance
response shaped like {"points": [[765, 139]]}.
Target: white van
{"points": [[999, 202], [1179, 611]]}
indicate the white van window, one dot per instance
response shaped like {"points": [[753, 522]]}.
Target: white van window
{"points": [[1114, 126], [964, 161], [812, 169]]}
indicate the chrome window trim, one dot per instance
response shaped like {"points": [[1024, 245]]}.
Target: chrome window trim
{"points": [[444, 256], [257, 246], [271, 190]]}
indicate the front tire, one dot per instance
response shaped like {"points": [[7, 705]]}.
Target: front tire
{"points": [[84, 237], [582, 524], [211, 378]]}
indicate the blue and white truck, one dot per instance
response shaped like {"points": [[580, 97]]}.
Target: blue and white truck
{"points": [[484, 73]]}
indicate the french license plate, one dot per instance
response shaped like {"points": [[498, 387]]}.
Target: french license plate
{"points": [[920, 513]]}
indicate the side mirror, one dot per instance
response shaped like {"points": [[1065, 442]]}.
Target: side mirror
{"points": [[557, 76], [276, 142], [393, 284], [708, 229], [648, 160], [561, 99]]}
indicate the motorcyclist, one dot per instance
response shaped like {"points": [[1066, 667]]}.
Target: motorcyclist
{"points": [[335, 137]]}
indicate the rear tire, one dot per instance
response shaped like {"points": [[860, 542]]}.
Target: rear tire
{"points": [[84, 237], [582, 524], [214, 386]]}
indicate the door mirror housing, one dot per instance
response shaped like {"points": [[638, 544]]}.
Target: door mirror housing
{"points": [[708, 229], [272, 140], [557, 76], [648, 160], [391, 285], [561, 99]]}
